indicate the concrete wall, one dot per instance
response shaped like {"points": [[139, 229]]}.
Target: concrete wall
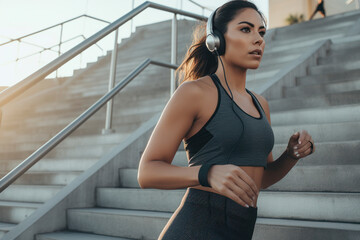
{"points": [[279, 10]]}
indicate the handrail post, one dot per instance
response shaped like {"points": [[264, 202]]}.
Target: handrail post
{"points": [[109, 107], [60, 42], [132, 20], [173, 52]]}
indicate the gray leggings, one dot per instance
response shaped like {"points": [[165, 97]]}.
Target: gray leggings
{"points": [[204, 215]]}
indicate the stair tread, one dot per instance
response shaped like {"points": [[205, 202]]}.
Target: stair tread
{"points": [[308, 223], [69, 235], [330, 194], [19, 204], [126, 212], [6, 226]]}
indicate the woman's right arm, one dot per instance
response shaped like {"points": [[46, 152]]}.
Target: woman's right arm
{"points": [[155, 169]]}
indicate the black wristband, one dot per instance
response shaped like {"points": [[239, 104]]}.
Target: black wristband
{"points": [[203, 174]]}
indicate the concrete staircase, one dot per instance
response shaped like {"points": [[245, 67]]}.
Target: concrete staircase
{"points": [[318, 199], [41, 112]]}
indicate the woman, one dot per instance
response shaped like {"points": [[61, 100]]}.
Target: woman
{"points": [[226, 132], [319, 8]]}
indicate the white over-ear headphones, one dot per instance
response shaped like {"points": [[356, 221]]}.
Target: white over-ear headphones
{"points": [[214, 39]]}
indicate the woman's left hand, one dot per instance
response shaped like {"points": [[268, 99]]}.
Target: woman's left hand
{"points": [[300, 145]]}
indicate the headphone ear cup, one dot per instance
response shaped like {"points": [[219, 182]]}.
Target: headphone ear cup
{"points": [[211, 43], [221, 47]]}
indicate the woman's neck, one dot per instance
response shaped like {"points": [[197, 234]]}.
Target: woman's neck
{"points": [[235, 76]]}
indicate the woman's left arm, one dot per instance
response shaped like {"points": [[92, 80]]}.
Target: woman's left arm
{"points": [[299, 146]]}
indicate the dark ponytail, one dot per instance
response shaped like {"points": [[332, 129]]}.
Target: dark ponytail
{"points": [[199, 61]]}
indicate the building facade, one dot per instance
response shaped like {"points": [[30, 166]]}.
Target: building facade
{"points": [[279, 10]]}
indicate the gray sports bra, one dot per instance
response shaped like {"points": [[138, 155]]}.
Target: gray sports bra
{"points": [[230, 137]]}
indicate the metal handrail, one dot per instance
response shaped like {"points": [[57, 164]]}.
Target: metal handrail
{"points": [[58, 138], [201, 6], [20, 87], [45, 29], [61, 42], [50, 48]]}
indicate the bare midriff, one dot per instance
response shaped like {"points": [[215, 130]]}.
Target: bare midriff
{"points": [[255, 173]]}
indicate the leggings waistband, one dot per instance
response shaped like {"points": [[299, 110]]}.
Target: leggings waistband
{"points": [[217, 201]]}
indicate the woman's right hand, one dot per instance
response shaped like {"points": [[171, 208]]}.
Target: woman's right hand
{"points": [[233, 182]]}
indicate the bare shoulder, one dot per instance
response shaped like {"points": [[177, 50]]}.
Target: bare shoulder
{"points": [[195, 90], [200, 85]]}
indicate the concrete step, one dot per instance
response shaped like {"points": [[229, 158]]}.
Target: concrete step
{"points": [[47, 132], [90, 127], [327, 132], [315, 32], [332, 99], [276, 46], [80, 105], [341, 56], [335, 68], [74, 152], [316, 179], [140, 88], [29, 193], [263, 74], [305, 39], [325, 77], [300, 178], [346, 43], [282, 56], [69, 106], [127, 224], [56, 178], [12, 144], [5, 227], [52, 164], [70, 141], [284, 229], [88, 79], [310, 206], [69, 235], [66, 118], [319, 89], [317, 24], [15, 212], [139, 199], [289, 205], [333, 114], [130, 95], [274, 63], [335, 21], [82, 151], [43, 134], [29, 148]]}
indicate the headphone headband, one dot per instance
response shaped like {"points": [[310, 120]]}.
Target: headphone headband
{"points": [[209, 25], [214, 39]]}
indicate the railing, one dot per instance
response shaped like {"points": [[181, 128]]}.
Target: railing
{"points": [[357, 3], [61, 41], [20, 87], [201, 6], [58, 138]]}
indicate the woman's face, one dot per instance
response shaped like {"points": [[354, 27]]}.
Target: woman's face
{"points": [[242, 38]]}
